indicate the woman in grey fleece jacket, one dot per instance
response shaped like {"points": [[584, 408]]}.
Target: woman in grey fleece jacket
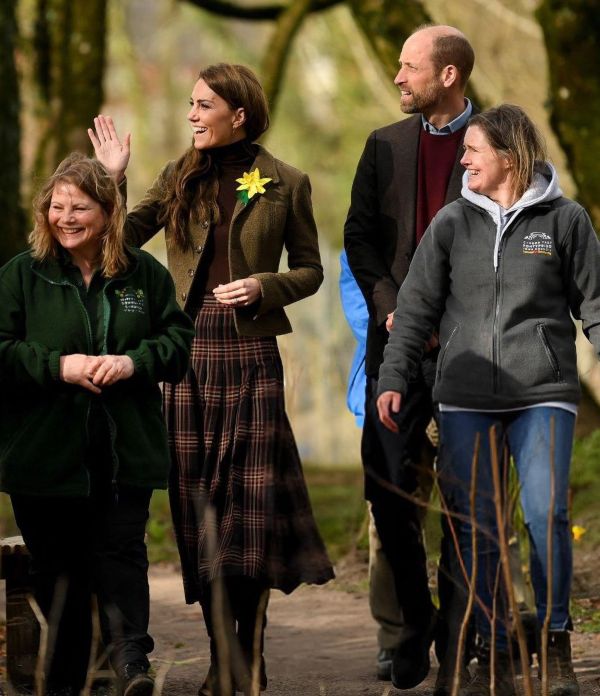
{"points": [[500, 273]]}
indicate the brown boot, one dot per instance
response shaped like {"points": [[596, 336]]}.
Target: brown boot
{"points": [[480, 684], [561, 675]]}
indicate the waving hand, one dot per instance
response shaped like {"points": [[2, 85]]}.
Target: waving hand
{"points": [[109, 150]]}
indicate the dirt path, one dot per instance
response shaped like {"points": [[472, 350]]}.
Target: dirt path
{"points": [[320, 641]]}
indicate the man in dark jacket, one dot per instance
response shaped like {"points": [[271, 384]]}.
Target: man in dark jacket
{"points": [[407, 172]]}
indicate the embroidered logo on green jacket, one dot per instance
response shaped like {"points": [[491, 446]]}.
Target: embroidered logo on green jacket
{"points": [[131, 300]]}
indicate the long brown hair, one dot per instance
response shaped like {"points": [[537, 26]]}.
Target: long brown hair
{"points": [[512, 134], [193, 188], [91, 177]]}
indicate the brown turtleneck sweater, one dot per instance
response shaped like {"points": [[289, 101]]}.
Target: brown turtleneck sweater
{"points": [[232, 161]]}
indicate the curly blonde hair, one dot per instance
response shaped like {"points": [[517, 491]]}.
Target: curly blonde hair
{"points": [[90, 177]]}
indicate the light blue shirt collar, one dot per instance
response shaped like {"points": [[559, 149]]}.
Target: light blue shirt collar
{"points": [[451, 127]]}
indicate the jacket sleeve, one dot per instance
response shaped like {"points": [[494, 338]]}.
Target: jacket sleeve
{"points": [[353, 302], [421, 302], [361, 236], [164, 356], [24, 363], [305, 273], [581, 276], [143, 221]]}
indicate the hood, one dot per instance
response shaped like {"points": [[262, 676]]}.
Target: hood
{"points": [[544, 187]]}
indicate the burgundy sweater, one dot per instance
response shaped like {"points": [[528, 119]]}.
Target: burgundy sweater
{"points": [[437, 154]]}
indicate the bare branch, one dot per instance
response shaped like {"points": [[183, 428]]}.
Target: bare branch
{"points": [[224, 8]]}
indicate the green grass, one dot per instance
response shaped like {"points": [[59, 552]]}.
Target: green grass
{"points": [[585, 487], [585, 613], [340, 510]]}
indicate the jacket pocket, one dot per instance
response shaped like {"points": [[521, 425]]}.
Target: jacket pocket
{"points": [[444, 352], [550, 353]]}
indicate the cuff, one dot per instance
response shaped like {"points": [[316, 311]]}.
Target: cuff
{"points": [[54, 365]]}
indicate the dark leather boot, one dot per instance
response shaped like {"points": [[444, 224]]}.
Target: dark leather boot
{"points": [[561, 675], [480, 684]]}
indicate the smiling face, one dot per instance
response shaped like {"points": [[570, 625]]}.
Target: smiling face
{"points": [[214, 123], [490, 172], [76, 221], [421, 88]]}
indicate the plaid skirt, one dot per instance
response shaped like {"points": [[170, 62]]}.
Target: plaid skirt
{"points": [[238, 496]]}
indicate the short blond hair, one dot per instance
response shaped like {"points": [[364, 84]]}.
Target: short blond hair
{"points": [[90, 177]]}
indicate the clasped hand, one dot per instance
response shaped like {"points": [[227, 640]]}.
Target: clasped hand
{"points": [[94, 371], [239, 293]]}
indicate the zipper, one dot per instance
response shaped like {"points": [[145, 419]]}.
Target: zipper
{"points": [[541, 329], [90, 342], [495, 336]]}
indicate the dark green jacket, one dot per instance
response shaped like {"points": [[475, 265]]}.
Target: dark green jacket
{"points": [[43, 420]]}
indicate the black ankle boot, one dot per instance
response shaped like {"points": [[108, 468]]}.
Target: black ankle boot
{"points": [[561, 675]]}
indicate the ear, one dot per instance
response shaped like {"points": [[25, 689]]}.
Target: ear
{"points": [[450, 76], [239, 118]]}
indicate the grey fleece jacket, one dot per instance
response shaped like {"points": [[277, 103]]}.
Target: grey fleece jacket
{"points": [[500, 286]]}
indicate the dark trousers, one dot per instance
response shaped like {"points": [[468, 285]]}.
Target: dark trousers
{"points": [[395, 458], [235, 621], [82, 546]]}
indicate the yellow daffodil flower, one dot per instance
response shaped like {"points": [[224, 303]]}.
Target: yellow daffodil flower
{"points": [[251, 183], [578, 532]]}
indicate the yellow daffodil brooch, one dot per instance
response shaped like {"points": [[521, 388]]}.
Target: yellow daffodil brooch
{"points": [[250, 184]]}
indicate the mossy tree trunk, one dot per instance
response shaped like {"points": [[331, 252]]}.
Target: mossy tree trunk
{"points": [[69, 46], [572, 35], [12, 231]]}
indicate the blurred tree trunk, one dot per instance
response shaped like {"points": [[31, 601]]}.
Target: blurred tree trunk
{"points": [[69, 50], [12, 235], [571, 29], [386, 25]]}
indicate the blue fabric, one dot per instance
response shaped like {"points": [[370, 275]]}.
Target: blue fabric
{"points": [[526, 435], [357, 316], [453, 126]]}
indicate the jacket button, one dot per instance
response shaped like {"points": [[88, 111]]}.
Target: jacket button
{"points": [[199, 248], [190, 272], [183, 295]]}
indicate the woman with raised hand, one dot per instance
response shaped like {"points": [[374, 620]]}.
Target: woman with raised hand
{"points": [[88, 327], [241, 511], [501, 272]]}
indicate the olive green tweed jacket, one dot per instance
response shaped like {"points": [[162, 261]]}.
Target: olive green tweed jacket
{"points": [[281, 217]]}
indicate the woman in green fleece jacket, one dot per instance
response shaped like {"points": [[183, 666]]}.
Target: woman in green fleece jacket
{"points": [[88, 327], [501, 273]]}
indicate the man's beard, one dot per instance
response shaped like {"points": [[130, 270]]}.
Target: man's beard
{"points": [[424, 100]]}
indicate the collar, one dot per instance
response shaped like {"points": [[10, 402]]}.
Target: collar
{"points": [[453, 126]]}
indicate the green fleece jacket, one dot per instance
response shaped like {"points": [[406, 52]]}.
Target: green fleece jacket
{"points": [[43, 420]]}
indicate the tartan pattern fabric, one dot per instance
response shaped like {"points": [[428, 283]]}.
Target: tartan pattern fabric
{"points": [[238, 497]]}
